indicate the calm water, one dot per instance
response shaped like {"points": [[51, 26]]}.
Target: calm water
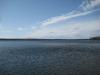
{"points": [[50, 57]]}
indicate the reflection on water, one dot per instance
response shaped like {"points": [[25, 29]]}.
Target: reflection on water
{"points": [[50, 57]]}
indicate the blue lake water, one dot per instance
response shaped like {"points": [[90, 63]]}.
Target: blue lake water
{"points": [[50, 57]]}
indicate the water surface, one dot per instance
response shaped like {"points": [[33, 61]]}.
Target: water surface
{"points": [[50, 57]]}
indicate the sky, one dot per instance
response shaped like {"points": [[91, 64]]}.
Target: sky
{"points": [[49, 19]]}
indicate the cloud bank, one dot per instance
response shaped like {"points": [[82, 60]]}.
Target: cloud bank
{"points": [[73, 31]]}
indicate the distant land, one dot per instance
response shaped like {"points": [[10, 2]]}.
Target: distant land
{"points": [[95, 38]]}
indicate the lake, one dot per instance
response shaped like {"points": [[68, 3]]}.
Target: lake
{"points": [[50, 57]]}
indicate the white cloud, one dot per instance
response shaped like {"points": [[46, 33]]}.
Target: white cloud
{"points": [[72, 31], [89, 4], [85, 8], [20, 29], [64, 17], [27, 28]]}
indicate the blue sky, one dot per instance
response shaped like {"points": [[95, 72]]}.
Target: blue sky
{"points": [[64, 19]]}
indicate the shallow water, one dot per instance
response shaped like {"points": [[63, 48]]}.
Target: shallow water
{"points": [[50, 57]]}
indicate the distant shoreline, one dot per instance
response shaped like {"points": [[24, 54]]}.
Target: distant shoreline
{"points": [[93, 38]]}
